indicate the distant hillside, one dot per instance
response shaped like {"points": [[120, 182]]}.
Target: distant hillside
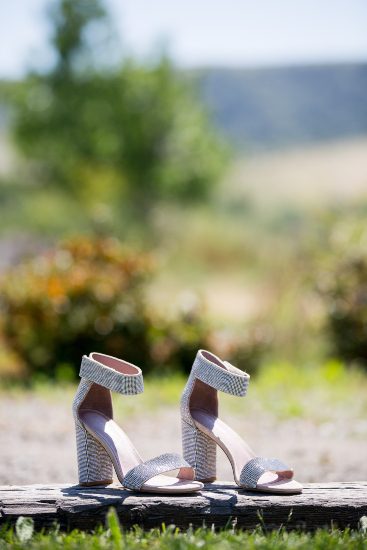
{"points": [[274, 108], [278, 107]]}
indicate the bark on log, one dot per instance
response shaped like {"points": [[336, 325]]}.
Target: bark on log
{"points": [[320, 505]]}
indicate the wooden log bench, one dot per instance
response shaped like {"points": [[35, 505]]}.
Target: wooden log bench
{"points": [[220, 504]]}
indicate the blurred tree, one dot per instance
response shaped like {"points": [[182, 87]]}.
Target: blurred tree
{"points": [[132, 136], [70, 20]]}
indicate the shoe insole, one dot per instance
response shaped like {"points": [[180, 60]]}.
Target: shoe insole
{"points": [[124, 456], [239, 453]]}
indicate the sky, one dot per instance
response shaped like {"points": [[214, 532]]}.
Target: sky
{"points": [[197, 33]]}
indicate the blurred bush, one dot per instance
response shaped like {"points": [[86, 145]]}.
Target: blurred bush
{"points": [[345, 294], [88, 294], [84, 294]]}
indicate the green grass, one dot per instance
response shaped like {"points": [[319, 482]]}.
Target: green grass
{"points": [[316, 392], [171, 538]]}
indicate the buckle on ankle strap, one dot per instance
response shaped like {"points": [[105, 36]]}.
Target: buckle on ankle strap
{"points": [[112, 373]]}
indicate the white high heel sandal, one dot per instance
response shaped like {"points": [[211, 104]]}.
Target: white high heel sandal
{"points": [[202, 430], [102, 445]]}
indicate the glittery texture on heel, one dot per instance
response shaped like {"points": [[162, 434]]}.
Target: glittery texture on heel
{"points": [[94, 464], [208, 375], [200, 451]]}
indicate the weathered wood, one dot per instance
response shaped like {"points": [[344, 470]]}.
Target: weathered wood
{"points": [[326, 504]]}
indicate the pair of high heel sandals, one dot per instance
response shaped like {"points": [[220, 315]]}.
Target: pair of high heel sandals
{"points": [[102, 445]]}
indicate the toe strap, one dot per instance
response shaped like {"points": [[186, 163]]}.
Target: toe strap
{"points": [[137, 476], [256, 467]]}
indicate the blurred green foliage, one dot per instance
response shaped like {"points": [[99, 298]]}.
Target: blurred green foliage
{"points": [[89, 293], [130, 135], [124, 148], [346, 299], [69, 300]]}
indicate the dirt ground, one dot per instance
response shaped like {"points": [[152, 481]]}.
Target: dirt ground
{"points": [[37, 442]]}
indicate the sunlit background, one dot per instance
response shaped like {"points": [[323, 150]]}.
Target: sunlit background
{"points": [[176, 175]]}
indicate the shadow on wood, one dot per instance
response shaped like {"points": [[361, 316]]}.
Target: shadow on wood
{"points": [[222, 504]]}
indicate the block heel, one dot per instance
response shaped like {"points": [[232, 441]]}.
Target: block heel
{"points": [[203, 430], [94, 464], [200, 451], [104, 447]]}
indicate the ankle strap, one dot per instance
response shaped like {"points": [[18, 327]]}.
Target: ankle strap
{"points": [[112, 373], [219, 374]]}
